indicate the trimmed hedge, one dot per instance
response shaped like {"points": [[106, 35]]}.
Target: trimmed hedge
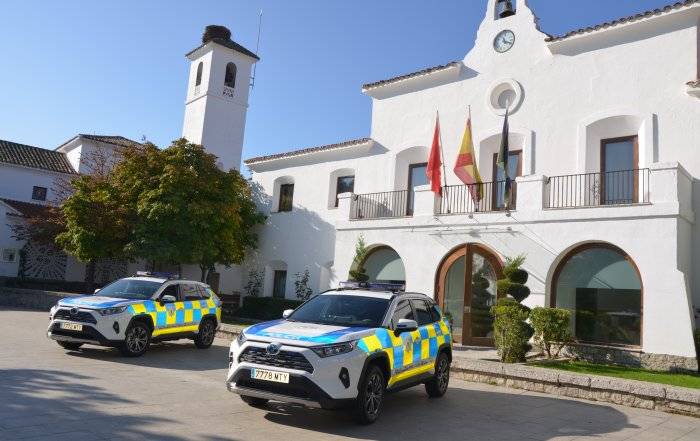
{"points": [[265, 308]]}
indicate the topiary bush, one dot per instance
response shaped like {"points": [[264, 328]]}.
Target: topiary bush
{"points": [[551, 326], [513, 283], [511, 330]]}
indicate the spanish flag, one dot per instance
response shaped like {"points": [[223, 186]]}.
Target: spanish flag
{"points": [[465, 167]]}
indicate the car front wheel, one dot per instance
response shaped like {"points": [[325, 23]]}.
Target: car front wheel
{"points": [[136, 341], [370, 397]]}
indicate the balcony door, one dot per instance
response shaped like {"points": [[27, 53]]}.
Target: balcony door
{"points": [[515, 169], [416, 177], [466, 292], [619, 170]]}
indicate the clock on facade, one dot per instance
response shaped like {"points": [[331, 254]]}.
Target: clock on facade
{"points": [[504, 41]]}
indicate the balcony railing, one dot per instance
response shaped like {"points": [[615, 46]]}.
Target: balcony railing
{"points": [[622, 187], [483, 197], [386, 204]]}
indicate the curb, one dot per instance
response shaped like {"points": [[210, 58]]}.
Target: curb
{"points": [[632, 393]]}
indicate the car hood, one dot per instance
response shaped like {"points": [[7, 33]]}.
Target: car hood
{"points": [[95, 302], [304, 334]]}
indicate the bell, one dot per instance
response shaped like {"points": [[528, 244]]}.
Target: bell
{"points": [[506, 8]]}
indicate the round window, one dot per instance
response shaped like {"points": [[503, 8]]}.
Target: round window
{"points": [[504, 94]]}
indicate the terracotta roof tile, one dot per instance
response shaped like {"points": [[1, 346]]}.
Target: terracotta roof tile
{"points": [[426, 71], [306, 151], [27, 208], [619, 21], [34, 157]]}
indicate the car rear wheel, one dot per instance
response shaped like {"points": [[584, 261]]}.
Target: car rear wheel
{"points": [[70, 346], [370, 397], [437, 386], [254, 401], [136, 339], [205, 336]]}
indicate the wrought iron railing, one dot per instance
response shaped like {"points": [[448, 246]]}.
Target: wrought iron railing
{"points": [[382, 205], [472, 198], [623, 187], [228, 92]]}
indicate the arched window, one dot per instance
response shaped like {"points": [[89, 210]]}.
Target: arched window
{"points": [[383, 264], [198, 80], [230, 78], [602, 288]]}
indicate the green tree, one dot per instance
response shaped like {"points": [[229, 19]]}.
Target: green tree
{"points": [[511, 330], [187, 210], [96, 221], [359, 274]]}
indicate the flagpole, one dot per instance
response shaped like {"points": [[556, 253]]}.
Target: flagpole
{"points": [[442, 156], [469, 119]]}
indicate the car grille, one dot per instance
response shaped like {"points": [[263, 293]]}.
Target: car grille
{"points": [[284, 359], [279, 389], [80, 316]]}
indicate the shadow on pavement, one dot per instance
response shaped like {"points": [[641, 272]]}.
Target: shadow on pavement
{"points": [[180, 355], [461, 415]]}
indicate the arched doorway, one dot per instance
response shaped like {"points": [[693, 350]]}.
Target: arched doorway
{"points": [[466, 291], [601, 286], [383, 264]]}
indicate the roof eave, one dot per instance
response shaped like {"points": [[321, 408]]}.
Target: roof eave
{"points": [[284, 158], [378, 88], [200, 50]]}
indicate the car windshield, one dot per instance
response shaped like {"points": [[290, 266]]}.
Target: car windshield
{"points": [[130, 289], [342, 310]]}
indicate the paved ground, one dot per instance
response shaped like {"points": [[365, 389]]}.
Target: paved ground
{"points": [[176, 392]]}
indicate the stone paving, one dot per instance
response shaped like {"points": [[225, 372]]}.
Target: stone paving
{"points": [[176, 392]]}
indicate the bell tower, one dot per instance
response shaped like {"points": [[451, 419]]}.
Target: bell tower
{"points": [[217, 95]]}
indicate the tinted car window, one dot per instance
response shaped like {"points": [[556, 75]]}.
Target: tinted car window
{"points": [[403, 311], [204, 292], [342, 310], [423, 315], [170, 290], [435, 311], [189, 291]]}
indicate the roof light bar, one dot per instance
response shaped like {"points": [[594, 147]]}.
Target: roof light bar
{"points": [[159, 274], [373, 286]]}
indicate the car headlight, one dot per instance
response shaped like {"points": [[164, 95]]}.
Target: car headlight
{"points": [[334, 349], [111, 311], [241, 338]]}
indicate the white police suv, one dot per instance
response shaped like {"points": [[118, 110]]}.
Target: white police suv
{"points": [[344, 348], [131, 313]]}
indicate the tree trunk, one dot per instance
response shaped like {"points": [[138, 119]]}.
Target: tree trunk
{"points": [[90, 274], [205, 272]]}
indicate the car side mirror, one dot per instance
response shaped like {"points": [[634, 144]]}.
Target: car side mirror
{"points": [[96, 290], [287, 312], [405, 325], [167, 299]]}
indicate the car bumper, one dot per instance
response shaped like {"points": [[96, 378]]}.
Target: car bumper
{"points": [[321, 388], [98, 330]]}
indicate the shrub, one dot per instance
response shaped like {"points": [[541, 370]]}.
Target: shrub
{"points": [[301, 286], [511, 331], [254, 285], [266, 308], [551, 326], [359, 274]]}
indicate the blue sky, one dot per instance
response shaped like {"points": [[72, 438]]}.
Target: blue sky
{"points": [[119, 67]]}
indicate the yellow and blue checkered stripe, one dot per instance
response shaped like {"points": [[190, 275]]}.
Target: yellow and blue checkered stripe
{"points": [[176, 317], [416, 357]]}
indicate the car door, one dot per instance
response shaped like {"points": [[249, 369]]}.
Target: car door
{"points": [[403, 349], [191, 314], [166, 312], [425, 348]]}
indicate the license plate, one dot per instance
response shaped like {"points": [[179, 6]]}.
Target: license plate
{"points": [[264, 374], [72, 326]]}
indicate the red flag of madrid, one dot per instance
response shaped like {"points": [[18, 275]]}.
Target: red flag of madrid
{"points": [[434, 162]]}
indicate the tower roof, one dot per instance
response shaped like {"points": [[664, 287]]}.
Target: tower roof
{"points": [[221, 35]]}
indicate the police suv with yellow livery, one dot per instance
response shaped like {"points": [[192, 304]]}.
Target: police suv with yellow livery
{"points": [[345, 348], [132, 312]]}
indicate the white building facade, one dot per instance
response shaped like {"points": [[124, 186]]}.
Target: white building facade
{"points": [[604, 124]]}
